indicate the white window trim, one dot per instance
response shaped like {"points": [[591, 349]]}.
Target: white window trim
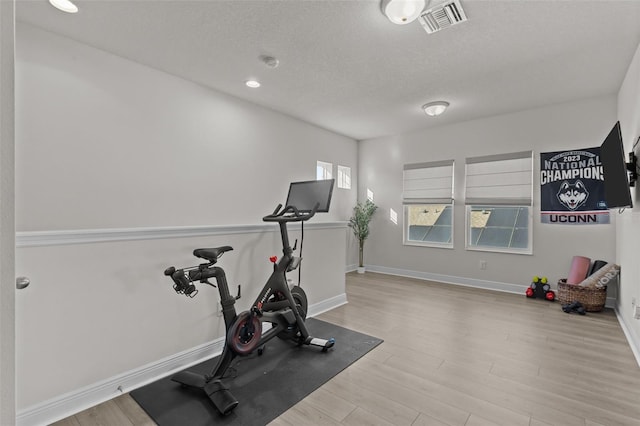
{"points": [[327, 169], [523, 200], [435, 195], [527, 251], [431, 244]]}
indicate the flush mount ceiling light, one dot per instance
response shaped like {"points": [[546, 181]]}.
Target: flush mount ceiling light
{"points": [[64, 5], [252, 83], [402, 12], [435, 108]]}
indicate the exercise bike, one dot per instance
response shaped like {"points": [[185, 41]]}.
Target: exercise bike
{"points": [[284, 308]]}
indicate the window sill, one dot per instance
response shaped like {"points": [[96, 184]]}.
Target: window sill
{"points": [[528, 252], [426, 244]]}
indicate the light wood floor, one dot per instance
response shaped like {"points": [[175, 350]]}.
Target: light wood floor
{"points": [[459, 356]]}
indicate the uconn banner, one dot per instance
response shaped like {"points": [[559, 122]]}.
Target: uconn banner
{"points": [[572, 187]]}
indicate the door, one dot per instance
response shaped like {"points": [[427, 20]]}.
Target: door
{"points": [[7, 216]]}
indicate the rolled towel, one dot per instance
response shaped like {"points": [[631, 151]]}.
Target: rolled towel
{"points": [[602, 277], [579, 269]]}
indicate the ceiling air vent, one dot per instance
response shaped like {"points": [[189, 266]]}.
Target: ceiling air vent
{"points": [[442, 16]]}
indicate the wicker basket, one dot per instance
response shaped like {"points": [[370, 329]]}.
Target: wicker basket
{"points": [[593, 299]]}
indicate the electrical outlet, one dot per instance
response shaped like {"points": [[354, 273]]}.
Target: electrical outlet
{"points": [[483, 264], [637, 314]]}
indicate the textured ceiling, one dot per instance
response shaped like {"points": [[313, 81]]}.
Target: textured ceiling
{"points": [[346, 68]]}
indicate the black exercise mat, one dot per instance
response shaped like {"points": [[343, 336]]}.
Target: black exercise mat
{"points": [[265, 386]]}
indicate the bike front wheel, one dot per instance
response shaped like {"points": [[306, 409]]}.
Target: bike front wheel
{"points": [[244, 334]]}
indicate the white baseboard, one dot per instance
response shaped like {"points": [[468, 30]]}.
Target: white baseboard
{"points": [[449, 279], [327, 305], [351, 268], [611, 302], [631, 338], [78, 400], [467, 282]]}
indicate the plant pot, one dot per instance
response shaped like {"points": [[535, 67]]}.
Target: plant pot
{"points": [[361, 269]]}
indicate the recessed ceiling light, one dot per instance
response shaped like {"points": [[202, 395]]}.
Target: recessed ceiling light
{"points": [[252, 83], [435, 108], [64, 5]]}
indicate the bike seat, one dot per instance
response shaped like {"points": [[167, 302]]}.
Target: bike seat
{"points": [[211, 254]]}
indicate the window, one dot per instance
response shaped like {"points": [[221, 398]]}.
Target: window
{"points": [[428, 204], [429, 223], [498, 202], [324, 170], [344, 177], [499, 226]]}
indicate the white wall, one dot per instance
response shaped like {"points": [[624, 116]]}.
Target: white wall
{"points": [[107, 144], [578, 124], [98, 310], [7, 218], [628, 225]]}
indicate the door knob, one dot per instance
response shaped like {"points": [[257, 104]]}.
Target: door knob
{"points": [[22, 282]]}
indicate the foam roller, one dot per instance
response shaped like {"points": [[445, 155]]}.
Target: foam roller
{"points": [[597, 264]]}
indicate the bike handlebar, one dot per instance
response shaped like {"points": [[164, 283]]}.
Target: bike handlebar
{"points": [[183, 278], [290, 214]]}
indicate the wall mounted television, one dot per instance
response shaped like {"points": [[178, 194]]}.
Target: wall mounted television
{"points": [[617, 191]]}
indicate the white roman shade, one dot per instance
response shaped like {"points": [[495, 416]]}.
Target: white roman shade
{"points": [[428, 183], [504, 179]]}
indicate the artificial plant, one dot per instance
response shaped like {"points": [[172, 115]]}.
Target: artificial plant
{"points": [[359, 223]]}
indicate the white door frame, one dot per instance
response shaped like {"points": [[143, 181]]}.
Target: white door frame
{"points": [[7, 214]]}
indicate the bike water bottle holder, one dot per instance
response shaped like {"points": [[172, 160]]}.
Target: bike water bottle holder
{"points": [[188, 289], [181, 284]]}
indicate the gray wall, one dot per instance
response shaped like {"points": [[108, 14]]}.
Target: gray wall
{"points": [[106, 145], [628, 225], [573, 125], [7, 219]]}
